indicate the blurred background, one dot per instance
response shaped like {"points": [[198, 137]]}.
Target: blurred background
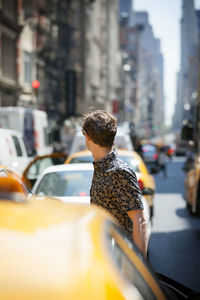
{"points": [[139, 60], [65, 57]]}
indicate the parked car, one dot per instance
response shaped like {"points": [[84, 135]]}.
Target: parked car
{"points": [[192, 186], [71, 183], [190, 134], [170, 150], [13, 151], [32, 124], [181, 148], [54, 250], [145, 179], [39, 164], [150, 156]]}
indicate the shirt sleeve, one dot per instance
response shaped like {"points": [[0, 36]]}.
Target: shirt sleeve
{"points": [[127, 191]]}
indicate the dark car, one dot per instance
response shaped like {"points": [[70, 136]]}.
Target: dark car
{"points": [[150, 155]]}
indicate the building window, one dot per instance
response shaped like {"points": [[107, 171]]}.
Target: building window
{"points": [[17, 145], [27, 67], [8, 57], [10, 9]]}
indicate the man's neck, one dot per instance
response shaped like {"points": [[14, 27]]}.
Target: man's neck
{"points": [[99, 153]]}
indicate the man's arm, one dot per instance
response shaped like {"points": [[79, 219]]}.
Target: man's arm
{"points": [[140, 236]]}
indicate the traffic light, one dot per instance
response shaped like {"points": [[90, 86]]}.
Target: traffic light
{"points": [[35, 85]]}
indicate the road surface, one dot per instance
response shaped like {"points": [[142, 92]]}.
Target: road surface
{"points": [[174, 247]]}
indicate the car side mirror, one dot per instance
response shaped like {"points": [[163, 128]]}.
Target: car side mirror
{"points": [[187, 131]]}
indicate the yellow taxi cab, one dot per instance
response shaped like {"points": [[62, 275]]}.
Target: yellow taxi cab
{"points": [[145, 179], [11, 184], [192, 185], [54, 250]]}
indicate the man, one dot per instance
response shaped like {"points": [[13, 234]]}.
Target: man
{"points": [[162, 160], [114, 185]]}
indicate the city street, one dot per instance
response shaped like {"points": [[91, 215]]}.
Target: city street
{"points": [[98, 74], [175, 241]]}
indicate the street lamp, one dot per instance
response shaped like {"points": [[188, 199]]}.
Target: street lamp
{"points": [[187, 107], [126, 67], [127, 92]]}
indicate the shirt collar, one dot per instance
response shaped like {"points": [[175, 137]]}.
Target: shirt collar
{"points": [[104, 163]]}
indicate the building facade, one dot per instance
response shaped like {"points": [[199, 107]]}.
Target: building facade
{"points": [[187, 82], [9, 72], [101, 56], [70, 47], [150, 96], [142, 59]]}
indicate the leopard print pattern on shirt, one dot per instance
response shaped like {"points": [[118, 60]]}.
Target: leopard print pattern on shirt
{"points": [[115, 188]]}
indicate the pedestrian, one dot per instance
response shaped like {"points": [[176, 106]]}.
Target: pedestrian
{"points": [[162, 161], [114, 184]]}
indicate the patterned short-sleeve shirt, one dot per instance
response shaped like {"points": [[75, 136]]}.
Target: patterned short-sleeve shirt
{"points": [[115, 188]]}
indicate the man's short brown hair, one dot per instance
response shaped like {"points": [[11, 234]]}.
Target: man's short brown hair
{"points": [[101, 127]]}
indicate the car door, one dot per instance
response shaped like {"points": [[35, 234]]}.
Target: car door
{"points": [[131, 264], [39, 164]]}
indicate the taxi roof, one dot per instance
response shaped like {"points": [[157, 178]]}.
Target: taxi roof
{"points": [[69, 167], [119, 151], [52, 250], [11, 185]]}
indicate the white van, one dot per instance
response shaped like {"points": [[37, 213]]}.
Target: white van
{"points": [[31, 123], [13, 152]]}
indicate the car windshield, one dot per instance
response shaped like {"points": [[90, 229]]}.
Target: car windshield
{"points": [[82, 159], [149, 151], [148, 148], [133, 163], [65, 183]]}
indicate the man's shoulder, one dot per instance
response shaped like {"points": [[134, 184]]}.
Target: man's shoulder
{"points": [[123, 166], [120, 167]]}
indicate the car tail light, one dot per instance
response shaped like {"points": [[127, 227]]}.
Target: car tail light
{"points": [[155, 156], [82, 194], [141, 184]]}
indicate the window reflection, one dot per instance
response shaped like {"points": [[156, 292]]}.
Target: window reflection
{"points": [[126, 267]]}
